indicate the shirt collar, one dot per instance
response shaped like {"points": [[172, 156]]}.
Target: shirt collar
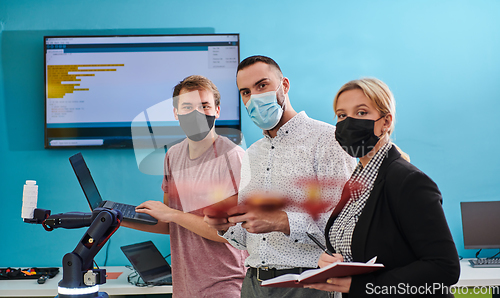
{"points": [[367, 173], [290, 126]]}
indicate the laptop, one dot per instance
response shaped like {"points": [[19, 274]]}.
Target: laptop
{"points": [[94, 199], [149, 263]]}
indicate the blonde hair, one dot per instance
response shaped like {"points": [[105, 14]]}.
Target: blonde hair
{"points": [[380, 94]]}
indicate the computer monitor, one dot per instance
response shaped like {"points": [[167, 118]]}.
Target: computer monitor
{"points": [[95, 86], [481, 224]]}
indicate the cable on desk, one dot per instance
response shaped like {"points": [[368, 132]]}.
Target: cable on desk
{"points": [[495, 255], [492, 257], [138, 282]]}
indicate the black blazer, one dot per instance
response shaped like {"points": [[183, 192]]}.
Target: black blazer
{"points": [[403, 224]]}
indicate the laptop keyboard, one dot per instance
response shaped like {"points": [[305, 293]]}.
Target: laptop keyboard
{"points": [[126, 210]]}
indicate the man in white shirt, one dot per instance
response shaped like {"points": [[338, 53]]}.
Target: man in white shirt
{"points": [[294, 148]]}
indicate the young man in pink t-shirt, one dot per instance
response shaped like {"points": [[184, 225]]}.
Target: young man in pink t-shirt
{"points": [[201, 170]]}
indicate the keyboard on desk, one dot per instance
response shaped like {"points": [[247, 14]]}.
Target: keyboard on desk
{"points": [[485, 263]]}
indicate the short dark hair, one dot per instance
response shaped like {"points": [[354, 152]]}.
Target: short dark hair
{"points": [[258, 58], [193, 83]]}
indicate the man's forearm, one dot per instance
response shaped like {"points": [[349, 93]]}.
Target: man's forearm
{"points": [[197, 225], [159, 228]]}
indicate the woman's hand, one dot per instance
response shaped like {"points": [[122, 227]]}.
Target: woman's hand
{"points": [[325, 259], [341, 284], [334, 284]]}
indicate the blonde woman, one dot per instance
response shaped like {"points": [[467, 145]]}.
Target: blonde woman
{"points": [[391, 209]]}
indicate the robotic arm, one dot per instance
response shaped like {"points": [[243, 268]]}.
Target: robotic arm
{"points": [[80, 279]]}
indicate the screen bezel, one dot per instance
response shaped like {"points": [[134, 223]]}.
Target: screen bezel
{"points": [[128, 144], [482, 208]]}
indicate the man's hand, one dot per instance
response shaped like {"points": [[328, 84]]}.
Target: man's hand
{"points": [[258, 220], [158, 210], [220, 209], [218, 223]]}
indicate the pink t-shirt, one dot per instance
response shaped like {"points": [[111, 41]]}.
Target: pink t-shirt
{"points": [[202, 267]]}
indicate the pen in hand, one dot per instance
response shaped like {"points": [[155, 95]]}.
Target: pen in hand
{"points": [[319, 244]]}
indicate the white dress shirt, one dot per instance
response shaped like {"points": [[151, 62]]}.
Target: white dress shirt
{"points": [[304, 148]]}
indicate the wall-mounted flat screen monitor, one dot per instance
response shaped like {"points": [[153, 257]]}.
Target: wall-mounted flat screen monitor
{"points": [[481, 224], [96, 86]]}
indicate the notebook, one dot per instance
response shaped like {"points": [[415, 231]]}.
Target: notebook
{"points": [[94, 199], [149, 263]]}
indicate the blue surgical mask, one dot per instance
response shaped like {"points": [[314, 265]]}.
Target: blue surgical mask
{"points": [[264, 109]]}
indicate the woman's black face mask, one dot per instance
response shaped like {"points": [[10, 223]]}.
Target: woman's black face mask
{"points": [[356, 136]]}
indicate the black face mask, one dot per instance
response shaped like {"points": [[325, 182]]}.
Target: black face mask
{"points": [[196, 125], [356, 136]]}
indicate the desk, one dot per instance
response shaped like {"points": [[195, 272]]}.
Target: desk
{"points": [[477, 277], [481, 282], [469, 277], [114, 287]]}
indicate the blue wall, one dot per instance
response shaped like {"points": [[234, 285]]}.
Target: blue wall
{"points": [[439, 57]]}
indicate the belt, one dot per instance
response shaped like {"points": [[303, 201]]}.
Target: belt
{"points": [[264, 273]]}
